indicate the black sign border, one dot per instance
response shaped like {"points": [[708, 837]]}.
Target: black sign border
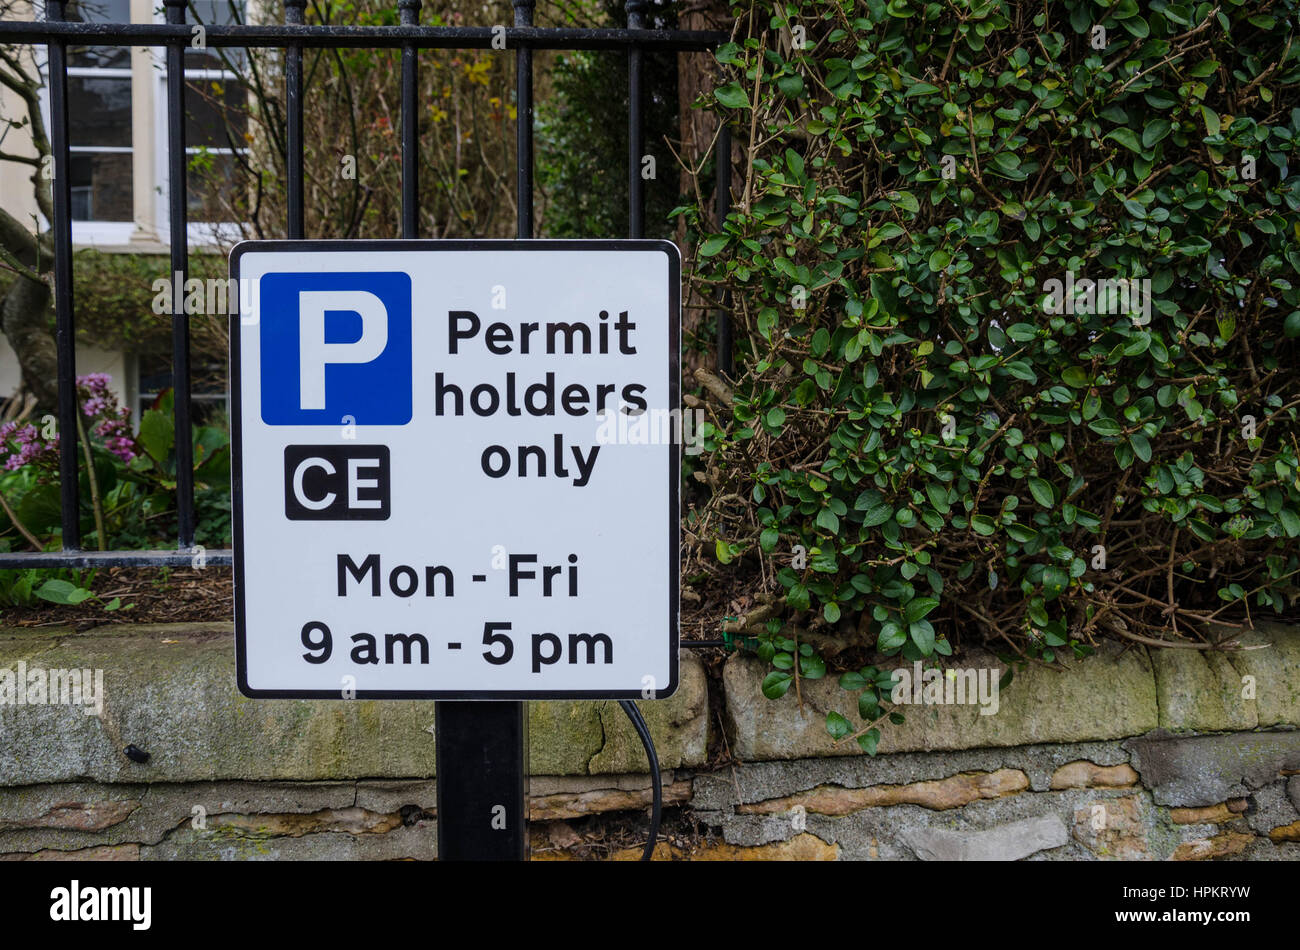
{"points": [[673, 254]]}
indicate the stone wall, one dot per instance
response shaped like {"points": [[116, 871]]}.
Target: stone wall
{"points": [[1133, 754]]}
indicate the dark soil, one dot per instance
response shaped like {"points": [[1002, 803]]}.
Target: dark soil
{"points": [[147, 595]]}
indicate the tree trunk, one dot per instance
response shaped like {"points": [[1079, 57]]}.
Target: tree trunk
{"points": [[25, 319], [698, 128]]}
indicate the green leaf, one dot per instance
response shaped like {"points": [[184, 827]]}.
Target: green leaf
{"points": [[1075, 377], [1055, 580], [1126, 137], [838, 726], [797, 598], [791, 87], [891, 637], [853, 680], [713, 245], [1155, 130], [794, 161], [776, 685], [62, 592], [922, 634], [1042, 491], [1211, 120], [1022, 533], [812, 667], [918, 607], [827, 519], [1141, 446], [868, 741], [157, 434], [878, 514], [41, 509], [868, 708], [732, 96], [983, 524]]}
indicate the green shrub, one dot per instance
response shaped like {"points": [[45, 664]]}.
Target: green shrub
{"points": [[959, 458], [113, 296]]}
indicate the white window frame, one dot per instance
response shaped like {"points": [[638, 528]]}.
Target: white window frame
{"points": [[91, 232], [198, 233]]}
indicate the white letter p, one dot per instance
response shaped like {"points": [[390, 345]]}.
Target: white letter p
{"points": [[314, 354]]}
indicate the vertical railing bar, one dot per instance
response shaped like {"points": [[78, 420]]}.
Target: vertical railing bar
{"points": [[65, 330], [635, 126], [524, 124], [179, 242], [409, 11], [723, 162], [293, 14]]}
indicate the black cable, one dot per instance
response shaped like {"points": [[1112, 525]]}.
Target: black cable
{"points": [[656, 812]]}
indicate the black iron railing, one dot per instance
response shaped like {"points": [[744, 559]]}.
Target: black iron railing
{"points": [[293, 36]]}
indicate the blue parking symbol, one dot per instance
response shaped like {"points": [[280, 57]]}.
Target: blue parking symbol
{"points": [[336, 345]]}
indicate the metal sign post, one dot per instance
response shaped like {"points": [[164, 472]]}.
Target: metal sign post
{"points": [[482, 751]]}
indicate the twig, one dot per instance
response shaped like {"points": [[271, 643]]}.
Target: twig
{"points": [[715, 386], [22, 528]]}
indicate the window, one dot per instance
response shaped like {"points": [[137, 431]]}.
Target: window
{"points": [[216, 104], [208, 395], [99, 119], [108, 144]]}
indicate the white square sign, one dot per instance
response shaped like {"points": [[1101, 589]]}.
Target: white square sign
{"points": [[456, 469]]}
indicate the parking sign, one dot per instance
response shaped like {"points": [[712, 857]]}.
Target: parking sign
{"points": [[456, 469]]}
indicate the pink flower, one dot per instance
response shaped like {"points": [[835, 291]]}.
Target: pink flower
{"points": [[22, 445], [25, 447]]}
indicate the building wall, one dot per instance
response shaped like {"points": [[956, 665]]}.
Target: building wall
{"points": [[15, 177], [146, 233], [117, 364]]}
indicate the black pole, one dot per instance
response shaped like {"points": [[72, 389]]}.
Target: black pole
{"points": [[179, 242], [724, 209], [293, 14], [481, 781], [635, 126], [410, 14], [524, 123], [64, 335], [482, 747]]}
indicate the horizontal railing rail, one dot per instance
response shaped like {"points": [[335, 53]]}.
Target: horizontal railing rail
{"points": [[394, 37]]}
